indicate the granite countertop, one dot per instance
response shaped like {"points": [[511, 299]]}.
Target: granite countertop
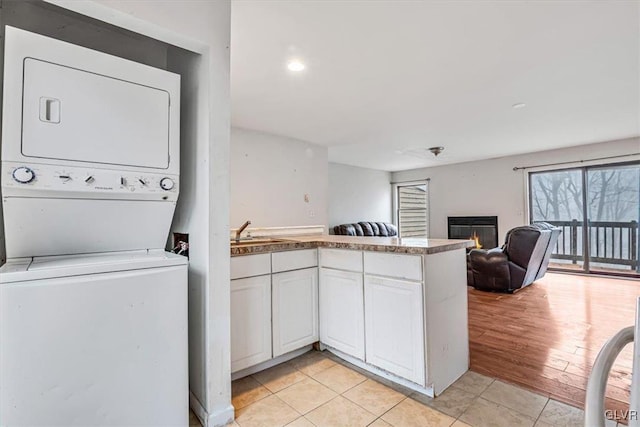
{"points": [[380, 244]]}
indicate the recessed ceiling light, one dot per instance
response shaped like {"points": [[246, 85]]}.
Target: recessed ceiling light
{"points": [[519, 105], [295, 65]]}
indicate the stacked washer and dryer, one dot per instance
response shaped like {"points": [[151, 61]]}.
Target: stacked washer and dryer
{"points": [[93, 311]]}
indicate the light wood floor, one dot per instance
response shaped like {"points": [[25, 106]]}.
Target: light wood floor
{"points": [[546, 336]]}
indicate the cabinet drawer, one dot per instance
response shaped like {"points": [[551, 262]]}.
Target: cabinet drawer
{"points": [[250, 265], [393, 265], [341, 259], [294, 260]]}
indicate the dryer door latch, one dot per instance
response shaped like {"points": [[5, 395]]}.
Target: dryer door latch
{"points": [[49, 110]]}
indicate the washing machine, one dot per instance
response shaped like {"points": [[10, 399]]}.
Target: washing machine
{"points": [[97, 339], [93, 311]]}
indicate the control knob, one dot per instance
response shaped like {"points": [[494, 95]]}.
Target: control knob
{"points": [[167, 184], [23, 175]]}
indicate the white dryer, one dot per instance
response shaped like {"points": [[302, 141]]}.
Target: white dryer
{"points": [[90, 149], [93, 311]]}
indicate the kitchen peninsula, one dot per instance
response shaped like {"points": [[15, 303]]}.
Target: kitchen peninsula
{"points": [[395, 307]]}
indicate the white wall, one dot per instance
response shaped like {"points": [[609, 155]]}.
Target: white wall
{"points": [[270, 176], [358, 194], [202, 27], [492, 187]]}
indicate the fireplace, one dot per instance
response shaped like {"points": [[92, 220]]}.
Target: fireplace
{"points": [[484, 228]]}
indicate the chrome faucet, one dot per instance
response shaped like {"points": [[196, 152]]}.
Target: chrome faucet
{"points": [[241, 229]]}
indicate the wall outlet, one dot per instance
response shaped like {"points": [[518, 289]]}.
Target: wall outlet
{"points": [[312, 214], [181, 244]]}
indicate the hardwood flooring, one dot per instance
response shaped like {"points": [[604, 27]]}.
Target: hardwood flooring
{"points": [[546, 336]]}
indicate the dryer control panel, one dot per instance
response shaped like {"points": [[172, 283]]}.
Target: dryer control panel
{"points": [[54, 181]]}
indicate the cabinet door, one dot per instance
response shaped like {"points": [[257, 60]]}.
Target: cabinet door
{"points": [[295, 310], [342, 311], [250, 321], [394, 327]]}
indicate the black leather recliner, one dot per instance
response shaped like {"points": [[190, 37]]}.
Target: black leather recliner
{"points": [[378, 229], [523, 259]]}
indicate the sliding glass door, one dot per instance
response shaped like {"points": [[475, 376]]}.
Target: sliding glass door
{"points": [[613, 210], [557, 197], [598, 210]]}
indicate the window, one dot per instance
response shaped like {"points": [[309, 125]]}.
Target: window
{"points": [[411, 205]]}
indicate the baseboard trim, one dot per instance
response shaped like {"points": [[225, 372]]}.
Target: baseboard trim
{"points": [[197, 408], [219, 419], [269, 363], [428, 391]]}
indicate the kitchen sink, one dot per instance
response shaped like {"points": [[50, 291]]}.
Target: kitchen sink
{"points": [[258, 241]]}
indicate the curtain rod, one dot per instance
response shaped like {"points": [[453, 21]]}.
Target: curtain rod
{"points": [[411, 180], [574, 161]]}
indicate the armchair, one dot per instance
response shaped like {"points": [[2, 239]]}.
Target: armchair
{"points": [[523, 259]]}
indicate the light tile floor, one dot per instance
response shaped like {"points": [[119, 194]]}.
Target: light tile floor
{"points": [[318, 389]]}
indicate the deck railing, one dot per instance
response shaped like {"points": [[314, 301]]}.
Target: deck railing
{"points": [[610, 242]]}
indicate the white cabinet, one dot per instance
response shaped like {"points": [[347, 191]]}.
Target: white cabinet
{"points": [[374, 311], [342, 311], [250, 321], [403, 316], [295, 309], [394, 327], [272, 314]]}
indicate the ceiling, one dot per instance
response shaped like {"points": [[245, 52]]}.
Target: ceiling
{"points": [[387, 79]]}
